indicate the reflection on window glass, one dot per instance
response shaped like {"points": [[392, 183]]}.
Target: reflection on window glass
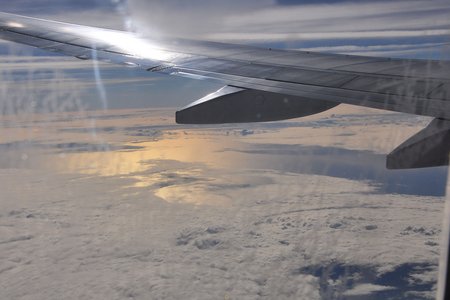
{"points": [[104, 196]]}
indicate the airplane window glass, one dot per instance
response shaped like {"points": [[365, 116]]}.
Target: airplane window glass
{"points": [[314, 165]]}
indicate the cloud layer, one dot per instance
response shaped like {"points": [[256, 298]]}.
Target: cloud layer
{"points": [[126, 205]]}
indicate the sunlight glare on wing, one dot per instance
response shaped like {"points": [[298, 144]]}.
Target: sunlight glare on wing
{"points": [[15, 25], [127, 42]]}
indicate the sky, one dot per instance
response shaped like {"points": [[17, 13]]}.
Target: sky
{"points": [[411, 29]]}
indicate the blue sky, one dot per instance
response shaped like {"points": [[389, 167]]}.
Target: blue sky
{"points": [[415, 29]]}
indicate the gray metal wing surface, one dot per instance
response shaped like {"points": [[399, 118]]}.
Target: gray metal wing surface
{"points": [[261, 84]]}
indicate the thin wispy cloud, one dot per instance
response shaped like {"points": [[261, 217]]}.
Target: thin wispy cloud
{"points": [[354, 48], [379, 34], [72, 83], [56, 6], [385, 20], [269, 21], [180, 18], [94, 17], [292, 24], [18, 63], [101, 13], [328, 15], [385, 50]]}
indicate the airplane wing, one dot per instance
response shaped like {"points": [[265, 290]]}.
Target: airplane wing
{"points": [[263, 84]]}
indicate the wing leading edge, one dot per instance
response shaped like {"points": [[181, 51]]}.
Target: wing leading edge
{"points": [[261, 84]]}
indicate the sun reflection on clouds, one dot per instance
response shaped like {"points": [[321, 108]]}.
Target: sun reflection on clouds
{"points": [[165, 166]]}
